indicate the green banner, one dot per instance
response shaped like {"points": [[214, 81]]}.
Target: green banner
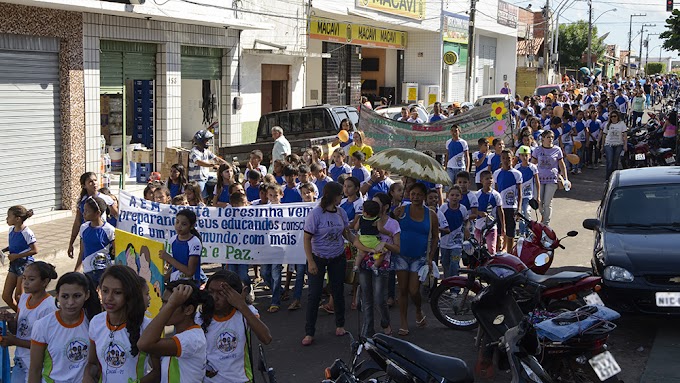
{"points": [[487, 121]]}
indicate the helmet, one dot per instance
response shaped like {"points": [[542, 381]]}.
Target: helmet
{"points": [[203, 135], [524, 150]]}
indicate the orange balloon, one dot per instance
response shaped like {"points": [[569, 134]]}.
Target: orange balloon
{"points": [[343, 135], [490, 140], [577, 91], [577, 145], [573, 159]]}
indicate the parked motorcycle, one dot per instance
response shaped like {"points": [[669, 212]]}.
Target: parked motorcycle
{"points": [[541, 241], [508, 340], [399, 361], [451, 300]]}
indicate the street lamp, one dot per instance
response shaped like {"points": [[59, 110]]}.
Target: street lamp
{"points": [[630, 40], [590, 30]]}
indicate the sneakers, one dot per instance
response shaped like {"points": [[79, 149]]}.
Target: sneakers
{"points": [[578, 171]]}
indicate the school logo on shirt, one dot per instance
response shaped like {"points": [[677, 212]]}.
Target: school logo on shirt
{"points": [[99, 261], [510, 197], [76, 350], [227, 342], [115, 355], [22, 328]]}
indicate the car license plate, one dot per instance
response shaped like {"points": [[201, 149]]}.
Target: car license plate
{"points": [[668, 299], [670, 160], [639, 157], [605, 365], [593, 299]]}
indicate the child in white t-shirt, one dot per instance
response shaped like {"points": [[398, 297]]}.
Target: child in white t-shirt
{"points": [[186, 351]]}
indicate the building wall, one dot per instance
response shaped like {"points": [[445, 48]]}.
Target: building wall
{"points": [[68, 27], [169, 37], [423, 59], [313, 73]]}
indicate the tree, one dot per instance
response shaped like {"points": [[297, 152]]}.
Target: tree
{"points": [[655, 68], [672, 33], [574, 43]]}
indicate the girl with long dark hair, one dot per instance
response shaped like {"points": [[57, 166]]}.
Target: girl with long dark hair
{"points": [[186, 248]]}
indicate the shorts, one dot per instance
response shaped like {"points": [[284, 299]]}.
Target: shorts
{"points": [[370, 241], [412, 265], [510, 223], [18, 266]]}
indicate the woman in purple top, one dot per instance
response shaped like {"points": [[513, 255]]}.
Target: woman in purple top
{"points": [[326, 228], [374, 283], [550, 162]]}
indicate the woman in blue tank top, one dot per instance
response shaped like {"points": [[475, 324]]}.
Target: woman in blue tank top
{"points": [[419, 226]]}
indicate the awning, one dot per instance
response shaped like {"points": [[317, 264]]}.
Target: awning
{"points": [[281, 52], [529, 47]]}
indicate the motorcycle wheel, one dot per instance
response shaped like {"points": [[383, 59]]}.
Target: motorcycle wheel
{"points": [[453, 310], [564, 305]]}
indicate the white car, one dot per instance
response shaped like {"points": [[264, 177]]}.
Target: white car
{"points": [[493, 98]]}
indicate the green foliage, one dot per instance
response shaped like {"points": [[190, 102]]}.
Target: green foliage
{"points": [[671, 35], [654, 68], [574, 42]]}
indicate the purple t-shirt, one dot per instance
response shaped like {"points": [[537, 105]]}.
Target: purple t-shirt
{"points": [[326, 229], [548, 159]]}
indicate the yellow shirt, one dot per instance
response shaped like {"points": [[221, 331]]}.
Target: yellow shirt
{"points": [[367, 150]]}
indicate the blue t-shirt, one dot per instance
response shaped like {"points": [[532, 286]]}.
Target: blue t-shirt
{"points": [[494, 160], [455, 219], [291, 195], [435, 117], [469, 200], [335, 171], [321, 183], [280, 180], [175, 189], [352, 208], [507, 181], [456, 153], [380, 187], [224, 196], [19, 242], [252, 192], [182, 251], [528, 184], [97, 242], [361, 173]]}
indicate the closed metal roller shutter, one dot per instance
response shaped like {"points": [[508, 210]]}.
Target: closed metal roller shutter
{"points": [[201, 63], [30, 124], [121, 60]]}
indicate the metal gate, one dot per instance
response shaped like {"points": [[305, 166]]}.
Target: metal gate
{"points": [[30, 123]]}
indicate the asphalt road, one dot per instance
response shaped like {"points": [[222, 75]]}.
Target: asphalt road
{"points": [[630, 343]]}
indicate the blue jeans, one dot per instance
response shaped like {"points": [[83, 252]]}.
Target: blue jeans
{"points": [[453, 173], [336, 277], [451, 261], [613, 153], [525, 208], [242, 271], [272, 276], [300, 271], [373, 293], [568, 148]]}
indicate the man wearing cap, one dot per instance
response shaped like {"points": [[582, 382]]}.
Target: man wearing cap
{"points": [[202, 159]]}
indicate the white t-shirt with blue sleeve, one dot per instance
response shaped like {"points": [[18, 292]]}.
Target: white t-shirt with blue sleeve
{"points": [[97, 241], [507, 182], [20, 241], [456, 153], [528, 180], [455, 218]]}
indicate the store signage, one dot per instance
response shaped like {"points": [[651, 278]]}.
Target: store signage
{"points": [[450, 58], [507, 15], [329, 30], [456, 28], [413, 9]]}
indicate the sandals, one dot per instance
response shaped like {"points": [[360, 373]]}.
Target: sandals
{"points": [[327, 308], [340, 332], [387, 331], [295, 305], [286, 295], [273, 309], [307, 341], [403, 332], [422, 322]]}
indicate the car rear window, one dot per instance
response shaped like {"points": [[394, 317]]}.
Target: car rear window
{"points": [[544, 91], [645, 206]]}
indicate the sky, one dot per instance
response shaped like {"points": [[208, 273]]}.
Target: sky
{"points": [[618, 23]]}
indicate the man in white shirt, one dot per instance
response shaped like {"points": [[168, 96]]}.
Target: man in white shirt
{"points": [[281, 147]]}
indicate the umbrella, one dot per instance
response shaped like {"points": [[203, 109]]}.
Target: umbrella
{"points": [[410, 163]]}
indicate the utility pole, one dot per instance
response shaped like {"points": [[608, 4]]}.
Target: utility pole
{"points": [[642, 31], [630, 40], [590, 34], [469, 68]]}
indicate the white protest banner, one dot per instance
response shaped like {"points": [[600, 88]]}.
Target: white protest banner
{"points": [[266, 234]]}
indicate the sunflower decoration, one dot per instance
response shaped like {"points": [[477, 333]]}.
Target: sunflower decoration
{"points": [[498, 110]]}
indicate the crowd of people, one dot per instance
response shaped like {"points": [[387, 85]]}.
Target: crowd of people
{"points": [[381, 235]]}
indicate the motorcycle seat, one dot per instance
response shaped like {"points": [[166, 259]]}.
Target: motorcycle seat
{"points": [[558, 279], [453, 370], [664, 150]]}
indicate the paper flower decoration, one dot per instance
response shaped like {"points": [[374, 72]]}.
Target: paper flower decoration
{"points": [[499, 128], [498, 109]]}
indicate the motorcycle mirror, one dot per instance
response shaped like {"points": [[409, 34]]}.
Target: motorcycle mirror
{"points": [[572, 233], [542, 259], [533, 203]]}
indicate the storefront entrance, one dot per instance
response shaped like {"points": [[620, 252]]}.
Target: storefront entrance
{"points": [[275, 93]]}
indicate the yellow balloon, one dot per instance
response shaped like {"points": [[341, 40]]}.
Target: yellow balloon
{"points": [[573, 159], [577, 145], [343, 135], [577, 91]]}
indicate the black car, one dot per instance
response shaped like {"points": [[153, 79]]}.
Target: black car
{"points": [[637, 240]]}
